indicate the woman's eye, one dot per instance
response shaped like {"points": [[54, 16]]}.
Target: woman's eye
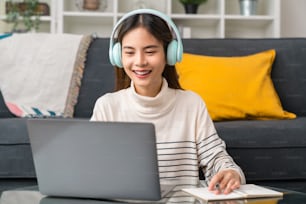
{"points": [[150, 52], [129, 53]]}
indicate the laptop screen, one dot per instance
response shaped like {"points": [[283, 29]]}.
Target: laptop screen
{"points": [[79, 158]]}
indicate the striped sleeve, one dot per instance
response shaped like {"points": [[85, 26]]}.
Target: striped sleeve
{"points": [[212, 153]]}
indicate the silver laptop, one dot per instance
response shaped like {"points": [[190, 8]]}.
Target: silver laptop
{"points": [[109, 160]]}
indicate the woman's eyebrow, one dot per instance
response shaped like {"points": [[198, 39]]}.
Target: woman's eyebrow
{"points": [[151, 46], [128, 47], [146, 47]]}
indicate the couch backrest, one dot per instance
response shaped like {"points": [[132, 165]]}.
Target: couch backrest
{"points": [[4, 111], [288, 73], [98, 78]]}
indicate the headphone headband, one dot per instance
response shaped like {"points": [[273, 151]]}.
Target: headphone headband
{"points": [[178, 48]]}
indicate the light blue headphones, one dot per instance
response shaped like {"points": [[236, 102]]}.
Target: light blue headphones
{"points": [[174, 49]]}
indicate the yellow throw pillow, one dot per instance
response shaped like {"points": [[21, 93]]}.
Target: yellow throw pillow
{"points": [[233, 88]]}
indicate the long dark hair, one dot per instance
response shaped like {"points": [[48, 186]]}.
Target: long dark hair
{"points": [[161, 31]]}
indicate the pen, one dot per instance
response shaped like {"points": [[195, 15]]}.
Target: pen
{"points": [[217, 187]]}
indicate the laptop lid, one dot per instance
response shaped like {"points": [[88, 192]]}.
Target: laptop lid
{"points": [[79, 158]]}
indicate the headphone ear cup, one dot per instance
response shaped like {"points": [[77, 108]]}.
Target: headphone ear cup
{"points": [[179, 52], [116, 56], [172, 52]]}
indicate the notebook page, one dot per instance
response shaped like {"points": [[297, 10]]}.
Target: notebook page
{"points": [[205, 194], [253, 191], [245, 191]]}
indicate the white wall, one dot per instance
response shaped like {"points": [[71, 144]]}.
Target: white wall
{"points": [[2, 11], [293, 18]]}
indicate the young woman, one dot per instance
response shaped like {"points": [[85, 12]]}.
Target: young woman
{"points": [[147, 90]]}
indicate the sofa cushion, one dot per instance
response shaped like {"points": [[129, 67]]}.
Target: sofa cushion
{"points": [[267, 134], [13, 131], [267, 150], [233, 87], [15, 150]]}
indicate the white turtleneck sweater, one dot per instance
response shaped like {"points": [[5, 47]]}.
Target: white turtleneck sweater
{"points": [[185, 134]]}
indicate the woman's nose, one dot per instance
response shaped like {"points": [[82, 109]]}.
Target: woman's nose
{"points": [[141, 60]]}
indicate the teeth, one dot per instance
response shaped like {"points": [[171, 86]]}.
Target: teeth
{"points": [[143, 72]]}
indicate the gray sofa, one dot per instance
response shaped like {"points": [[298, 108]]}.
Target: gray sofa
{"points": [[270, 152]]}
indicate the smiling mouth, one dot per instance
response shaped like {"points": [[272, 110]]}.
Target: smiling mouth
{"points": [[142, 72]]}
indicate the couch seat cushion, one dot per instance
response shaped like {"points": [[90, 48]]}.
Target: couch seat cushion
{"points": [[15, 150], [267, 150], [13, 131], [259, 134]]}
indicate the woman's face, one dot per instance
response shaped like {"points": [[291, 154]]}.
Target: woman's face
{"points": [[143, 59]]}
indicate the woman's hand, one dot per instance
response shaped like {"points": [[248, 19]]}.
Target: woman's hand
{"points": [[225, 182]]}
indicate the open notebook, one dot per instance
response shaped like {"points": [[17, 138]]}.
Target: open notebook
{"points": [[244, 192]]}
